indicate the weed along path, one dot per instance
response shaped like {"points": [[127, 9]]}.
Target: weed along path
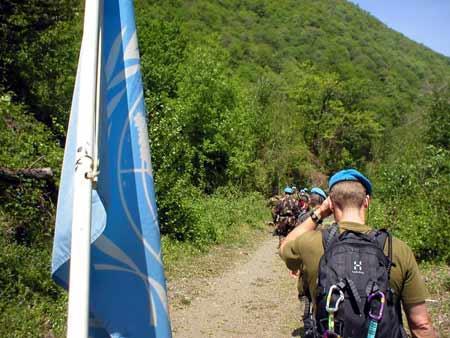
{"points": [[253, 296]]}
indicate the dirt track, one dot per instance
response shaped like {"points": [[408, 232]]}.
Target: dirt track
{"points": [[253, 297]]}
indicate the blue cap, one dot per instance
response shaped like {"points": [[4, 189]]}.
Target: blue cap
{"points": [[350, 175], [319, 192], [288, 190]]}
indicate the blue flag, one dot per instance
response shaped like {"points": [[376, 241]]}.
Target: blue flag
{"points": [[127, 284]]}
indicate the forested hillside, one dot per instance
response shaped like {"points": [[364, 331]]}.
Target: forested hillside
{"points": [[243, 97]]}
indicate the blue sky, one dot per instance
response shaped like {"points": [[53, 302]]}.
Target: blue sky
{"points": [[425, 21]]}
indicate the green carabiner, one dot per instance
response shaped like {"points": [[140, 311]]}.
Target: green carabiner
{"points": [[332, 309]]}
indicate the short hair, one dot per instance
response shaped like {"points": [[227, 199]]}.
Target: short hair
{"points": [[315, 199], [348, 194]]}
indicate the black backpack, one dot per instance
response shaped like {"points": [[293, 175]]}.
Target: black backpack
{"points": [[353, 282]]}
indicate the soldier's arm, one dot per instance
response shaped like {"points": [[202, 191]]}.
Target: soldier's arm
{"points": [[413, 297], [278, 207], [419, 321]]}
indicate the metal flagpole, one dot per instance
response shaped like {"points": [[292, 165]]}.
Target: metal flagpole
{"points": [[78, 314], [95, 158]]}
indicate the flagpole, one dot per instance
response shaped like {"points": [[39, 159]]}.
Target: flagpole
{"points": [[78, 313]]}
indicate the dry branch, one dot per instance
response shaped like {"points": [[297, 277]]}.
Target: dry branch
{"points": [[15, 175]]}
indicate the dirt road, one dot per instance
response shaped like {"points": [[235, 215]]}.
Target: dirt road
{"points": [[253, 297]]}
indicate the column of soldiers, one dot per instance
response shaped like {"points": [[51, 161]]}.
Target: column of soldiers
{"points": [[292, 208]]}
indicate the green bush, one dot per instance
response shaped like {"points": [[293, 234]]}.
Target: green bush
{"points": [[221, 214], [412, 196], [213, 219], [30, 302], [28, 204], [438, 118]]}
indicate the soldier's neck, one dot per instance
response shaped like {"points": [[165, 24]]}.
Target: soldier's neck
{"points": [[350, 215]]}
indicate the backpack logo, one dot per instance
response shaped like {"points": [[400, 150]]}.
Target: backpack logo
{"points": [[357, 267]]}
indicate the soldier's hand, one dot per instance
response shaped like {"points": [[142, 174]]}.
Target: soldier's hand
{"points": [[325, 208], [294, 274]]}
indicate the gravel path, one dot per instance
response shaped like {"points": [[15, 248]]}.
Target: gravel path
{"points": [[254, 297]]}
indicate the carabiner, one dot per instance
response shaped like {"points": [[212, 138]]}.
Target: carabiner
{"points": [[381, 296], [331, 310], [328, 308]]}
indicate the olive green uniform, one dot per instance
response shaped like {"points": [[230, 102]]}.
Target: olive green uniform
{"points": [[327, 222], [305, 252]]}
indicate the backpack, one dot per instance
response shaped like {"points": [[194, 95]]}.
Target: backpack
{"points": [[288, 206], [353, 286]]}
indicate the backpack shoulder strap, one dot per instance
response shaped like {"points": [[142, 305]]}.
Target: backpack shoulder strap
{"points": [[381, 237], [329, 234]]}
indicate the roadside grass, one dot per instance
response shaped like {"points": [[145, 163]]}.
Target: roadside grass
{"points": [[188, 269], [31, 305], [437, 280], [238, 224], [228, 219]]}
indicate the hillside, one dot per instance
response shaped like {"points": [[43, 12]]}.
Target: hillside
{"points": [[243, 97], [336, 36]]}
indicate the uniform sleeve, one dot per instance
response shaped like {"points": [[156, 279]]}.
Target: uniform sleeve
{"points": [[414, 290], [278, 206], [291, 255]]}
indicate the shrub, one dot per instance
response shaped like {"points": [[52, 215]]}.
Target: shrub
{"points": [[412, 199], [215, 218]]}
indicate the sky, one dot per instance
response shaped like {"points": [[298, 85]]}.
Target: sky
{"points": [[424, 21]]}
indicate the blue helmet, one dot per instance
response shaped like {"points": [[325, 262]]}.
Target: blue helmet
{"points": [[350, 175], [288, 190], [319, 192]]}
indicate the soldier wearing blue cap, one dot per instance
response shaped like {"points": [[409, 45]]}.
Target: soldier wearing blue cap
{"points": [[287, 211], [349, 198], [316, 197]]}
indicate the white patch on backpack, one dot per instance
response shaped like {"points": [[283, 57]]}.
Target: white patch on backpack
{"points": [[357, 267]]}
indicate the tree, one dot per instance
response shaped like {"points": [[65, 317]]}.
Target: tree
{"points": [[340, 130], [438, 118]]}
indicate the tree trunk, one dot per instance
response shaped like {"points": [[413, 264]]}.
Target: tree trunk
{"points": [[15, 175]]}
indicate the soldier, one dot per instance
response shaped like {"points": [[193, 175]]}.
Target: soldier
{"points": [[316, 197], [287, 212], [295, 192], [303, 203], [272, 204], [304, 200]]}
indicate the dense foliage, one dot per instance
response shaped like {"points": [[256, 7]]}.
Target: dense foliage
{"points": [[413, 183], [242, 98]]}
